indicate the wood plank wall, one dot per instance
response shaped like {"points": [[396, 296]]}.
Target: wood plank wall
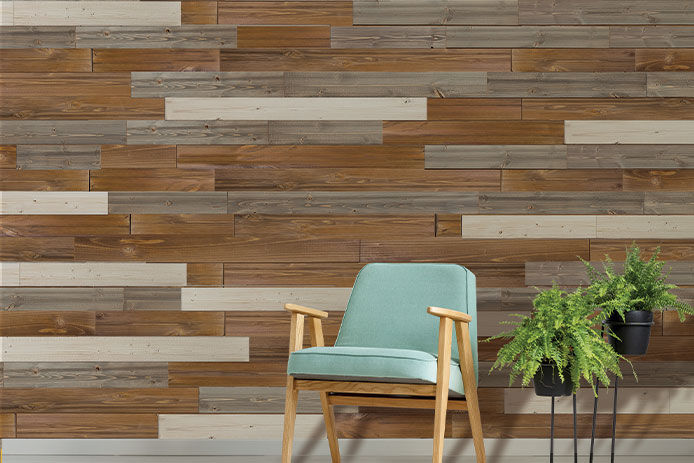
{"points": [[173, 172]]}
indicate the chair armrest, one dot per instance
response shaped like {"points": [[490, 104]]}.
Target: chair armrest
{"points": [[315, 313], [448, 313]]}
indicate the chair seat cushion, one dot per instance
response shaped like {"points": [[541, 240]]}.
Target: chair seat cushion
{"points": [[343, 363]]}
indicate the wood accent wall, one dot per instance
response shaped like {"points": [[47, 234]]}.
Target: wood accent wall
{"points": [[173, 172]]}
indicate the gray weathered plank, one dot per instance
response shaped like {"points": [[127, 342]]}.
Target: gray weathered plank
{"points": [[197, 132], [606, 12], [495, 156], [651, 36], [671, 84], [505, 299], [86, 374], [58, 156], [170, 202], [679, 272], [630, 156], [566, 84], [37, 37], [366, 202], [187, 36], [206, 84], [388, 37], [100, 299], [435, 12], [326, 132], [253, 400], [669, 202], [429, 84], [527, 37], [151, 298], [561, 203], [62, 132], [660, 374]]}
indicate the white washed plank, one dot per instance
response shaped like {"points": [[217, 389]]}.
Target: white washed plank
{"points": [[53, 202], [263, 298], [526, 226], [629, 132], [9, 273], [646, 226], [174, 426], [97, 13], [681, 400], [6, 13], [101, 274]]}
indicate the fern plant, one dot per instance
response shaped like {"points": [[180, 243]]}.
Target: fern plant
{"points": [[560, 329], [641, 286]]}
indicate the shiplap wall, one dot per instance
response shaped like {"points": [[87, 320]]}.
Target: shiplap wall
{"points": [[173, 172]]}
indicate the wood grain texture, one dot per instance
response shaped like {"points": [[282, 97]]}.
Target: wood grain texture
{"points": [[36, 249], [185, 59], [96, 13], [44, 180], [495, 157], [101, 274], [296, 274], [159, 323], [184, 224], [566, 84], [7, 425], [579, 60], [85, 375], [86, 426], [448, 225], [170, 202], [604, 108], [151, 298], [651, 36], [61, 132], [389, 37], [151, 180], [665, 59], [669, 249], [46, 60], [37, 37], [263, 372], [334, 13], [630, 132], [528, 37], [474, 132], [590, 12], [288, 36], [666, 202], [671, 84], [44, 323], [53, 202], [62, 299], [672, 326], [197, 132], [235, 426], [199, 12], [207, 84], [253, 400], [574, 273], [65, 84], [8, 157], [138, 156], [526, 226], [435, 12], [452, 109], [206, 274], [257, 298], [669, 180], [10, 274], [196, 37], [325, 132], [58, 157], [561, 180]]}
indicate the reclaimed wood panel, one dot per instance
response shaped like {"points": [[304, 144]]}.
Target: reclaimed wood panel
{"points": [[287, 36], [95, 108], [672, 180], [495, 157], [448, 225], [9, 276], [292, 274], [62, 299], [151, 180], [170, 59], [170, 202], [561, 180], [7, 424], [207, 84], [574, 273], [138, 156], [389, 37], [208, 36], [630, 132], [259, 372], [334, 13], [604, 108], [183, 224], [672, 326], [528, 37], [96, 13], [651, 36], [236, 426], [86, 425], [461, 109], [579, 60], [101, 274], [325, 132], [435, 12], [50, 203], [615, 12], [206, 274], [668, 202], [198, 12], [45, 323], [37, 248], [257, 298], [197, 132], [665, 59], [45, 60], [86, 375], [649, 226], [666, 84], [65, 84], [152, 298], [8, 157], [566, 84], [44, 180], [669, 348], [526, 226], [630, 156], [254, 400], [669, 249], [6, 13], [30, 157], [159, 323], [474, 132], [59, 132], [36, 37]]}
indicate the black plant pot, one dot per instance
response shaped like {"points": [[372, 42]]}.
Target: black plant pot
{"points": [[631, 335], [548, 384]]}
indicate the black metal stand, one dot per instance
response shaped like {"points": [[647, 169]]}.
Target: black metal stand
{"points": [[551, 433], [614, 421], [595, 413]]}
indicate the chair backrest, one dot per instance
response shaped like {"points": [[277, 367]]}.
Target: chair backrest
{"points": [[388, 306]]}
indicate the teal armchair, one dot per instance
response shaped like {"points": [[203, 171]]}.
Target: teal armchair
{"points": [[395, 349]]}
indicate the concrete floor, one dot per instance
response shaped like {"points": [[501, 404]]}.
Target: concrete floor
{"points": [[268, 459]]}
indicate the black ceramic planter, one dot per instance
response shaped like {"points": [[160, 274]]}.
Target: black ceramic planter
{"points": [[548, 384], [631, 335]]}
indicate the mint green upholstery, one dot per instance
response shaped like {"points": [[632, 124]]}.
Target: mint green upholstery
{"points": [[386, 333]]}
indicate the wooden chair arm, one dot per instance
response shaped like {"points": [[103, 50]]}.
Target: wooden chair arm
{"points": [[448, 313], [315, 313]]}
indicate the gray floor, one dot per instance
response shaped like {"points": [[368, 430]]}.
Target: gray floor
{"points": [[256, 459]]}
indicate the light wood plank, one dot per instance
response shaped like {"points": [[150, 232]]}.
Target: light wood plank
{"points": [[96, 13], [125, 349], [634, 400], [7, 19], [668, 202], [495, 157], [566, 84], [64, 299], [296, 109], [613, 12], [630, 156], [526, 226], [189, 36], [671, 84], [629, 132], [435, 12], [53, 202], [651, 36], [648, 226], [527, 37], [325, 132], [35, 37], [207, 84], [86, 374], [389, 37], [551, 202], [58, 157], [170, 202], [236, 426], [230, 299], [9, 274], [101, 274], [253, 400], [574, 273], [184, 132], [681, 400], [61, 132]]}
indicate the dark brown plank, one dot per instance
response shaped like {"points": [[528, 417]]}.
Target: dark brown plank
{"points": [[8, 157], [65, 84], [255, 373], [152, 180], [474, 132], [198, 12], [40, 323], [64, 225], [616, 249], [205, 274], [576, 60], [561, 180], [138, 156], [665, 59], [46, 60], [449, 225], [291, 274], [334, 13], [190, 224], [36, 249], [44, 180], [80, 107], [159, 323], [288, 36], [473, 109], [673, 327], [664, 180], [7, 428], [669, 349], [87, 425], [109, 60], [608, 108]]}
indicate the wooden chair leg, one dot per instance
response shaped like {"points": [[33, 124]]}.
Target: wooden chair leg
{"points": [[289, 420], [330, 427], [467, 370], [443, 372]]}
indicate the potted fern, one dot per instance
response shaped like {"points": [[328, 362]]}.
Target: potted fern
{"points": [[557, 345], [627, 300]]}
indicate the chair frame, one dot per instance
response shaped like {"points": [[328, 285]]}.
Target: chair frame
{"points": [[375, 394]]}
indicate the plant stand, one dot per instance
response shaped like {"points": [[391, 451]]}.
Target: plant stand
{"points": [[614, 421], [551, 432]]}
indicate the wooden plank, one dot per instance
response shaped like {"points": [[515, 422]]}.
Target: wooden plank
{"points": [[526, 226], [461, 109], [86, 425], [293, 274], [149, 298], [126, 349], [96, 13], [651, 36], [9, 276], [58, 157], [665, 59], [8, 157], [646, 226], [669, 348], [673, 327], [46, 60], [474, 132], [348, 203], [37, 248], [65, 84], [355, 179], [435, 12], [334, 13], [288, 36], [151, 180], [312, 226], [668, 202], [159, 323], [615, 12], [630, 156], [300, 156], [37, 37], [561, 180], [197, 132], [672, 180], [86, 375], [59, 225], [141, 157], [6, 13], [671, 84], [61, 132], [206, 274], [609, 108], [495, 157], [661, 374], [7, 420], [184, 224], [566, 84], [198, 12], [253, 400], [100, 400], [213, 248], [236, 426], [389, 37], [293, 109], [63, 299], [669, 249], [578, 60], [111, 108], [257, 298], [448, 225], [101, 274], [44, 323], [527, 37], [325, 132], [207, 84], [181, 37], [170, 59], [574, 273], [44, 180], [170, 202], [365, 59], [630, 132], [460, 251]]}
